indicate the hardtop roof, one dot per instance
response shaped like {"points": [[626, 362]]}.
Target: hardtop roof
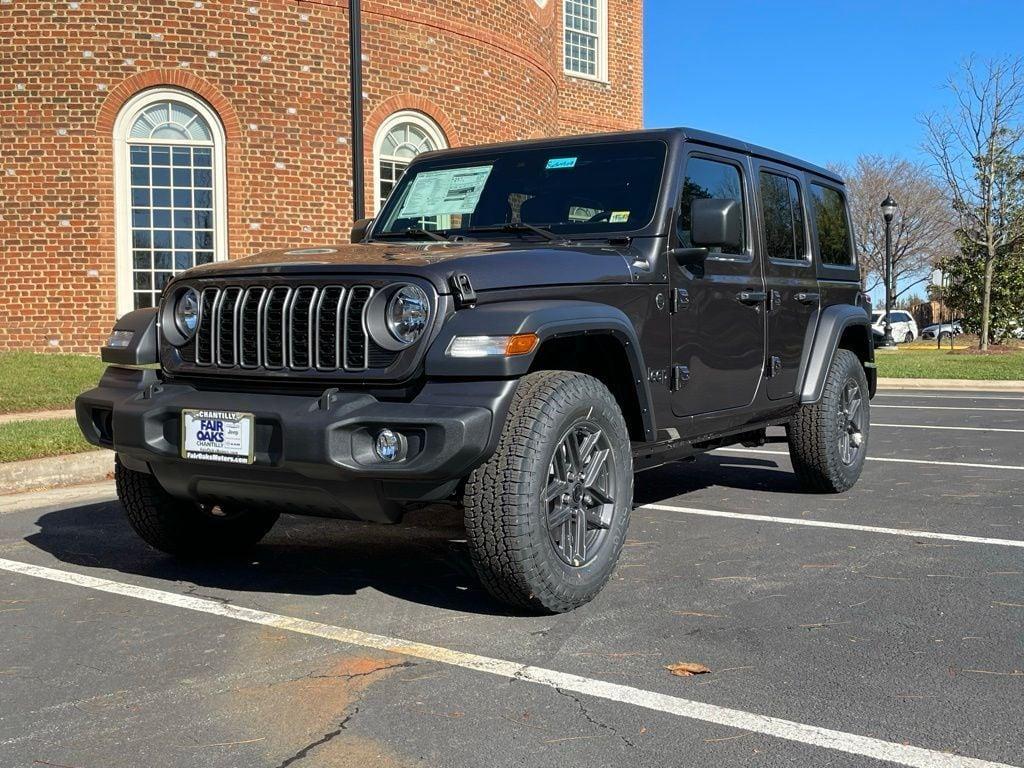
{"points": [[667, 134]]}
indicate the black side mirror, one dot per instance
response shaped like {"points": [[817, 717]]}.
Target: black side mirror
{"points": [[716, 223], [359, 230]]}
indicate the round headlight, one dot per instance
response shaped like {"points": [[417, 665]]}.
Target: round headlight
{"points": [[407, 313], [186, 312]]}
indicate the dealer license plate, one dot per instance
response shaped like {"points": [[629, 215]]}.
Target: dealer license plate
{"points": [[217, 436]]}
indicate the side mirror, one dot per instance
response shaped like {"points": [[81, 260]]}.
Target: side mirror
{"points": [[716, 223], [359, 230]]}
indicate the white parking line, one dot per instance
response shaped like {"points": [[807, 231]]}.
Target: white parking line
{"points": [[841, 526], [959, 429], [950, 397], [841, 741], [944, 407], [887, 459]]}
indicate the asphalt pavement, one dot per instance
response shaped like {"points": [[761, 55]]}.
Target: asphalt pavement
{"points": [[880, 626]]}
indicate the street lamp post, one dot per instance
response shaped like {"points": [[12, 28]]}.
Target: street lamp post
{"points": [[888, 211]]}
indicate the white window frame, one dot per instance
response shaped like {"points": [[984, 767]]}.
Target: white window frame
{"points": [[122, 182], [421, 121], [602, 45]]}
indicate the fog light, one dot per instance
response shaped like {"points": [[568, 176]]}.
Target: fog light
{"points": [[388, 445]]}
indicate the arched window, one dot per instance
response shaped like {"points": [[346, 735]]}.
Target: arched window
{"points": [[399, 139], [169, 162]]}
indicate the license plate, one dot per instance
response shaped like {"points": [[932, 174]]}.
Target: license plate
{"points": [[217, 436]]}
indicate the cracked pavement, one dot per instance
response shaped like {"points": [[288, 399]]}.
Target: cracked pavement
{"points": [[909, 640]]}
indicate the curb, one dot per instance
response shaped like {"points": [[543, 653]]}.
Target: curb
{"points": [[74, 469], [978, 385]]}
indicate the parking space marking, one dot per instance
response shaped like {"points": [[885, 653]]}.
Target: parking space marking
{"points": [[888, 459], [945, 407], [950, 397], [827, 738], [959, 429], [841, 526]]}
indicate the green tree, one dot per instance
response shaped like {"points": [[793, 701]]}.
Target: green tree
{"points": [[966, 274], [976, 148]]}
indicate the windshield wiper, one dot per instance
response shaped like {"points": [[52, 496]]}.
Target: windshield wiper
{"points": [[518, 227], [412, 232]]}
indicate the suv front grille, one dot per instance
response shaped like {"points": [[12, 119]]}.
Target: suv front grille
{"points": [[289, 328]]}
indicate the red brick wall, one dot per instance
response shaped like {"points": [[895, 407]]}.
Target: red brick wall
{"points": [[484, 71]]}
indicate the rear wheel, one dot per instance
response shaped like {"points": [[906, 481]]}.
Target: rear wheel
{"points": [[909, 337], [828, 440], [546, 516], [184, 528]]}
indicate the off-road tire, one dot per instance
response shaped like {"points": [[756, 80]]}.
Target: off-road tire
{"points": [[506, 520], [183, 528], [813, 432]]}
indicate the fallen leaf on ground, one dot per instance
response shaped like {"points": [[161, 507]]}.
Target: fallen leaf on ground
{"points": [[687, 669]]}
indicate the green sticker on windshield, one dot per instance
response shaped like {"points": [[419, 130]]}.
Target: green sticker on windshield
{"points": [[557, 163], [618, 217]]}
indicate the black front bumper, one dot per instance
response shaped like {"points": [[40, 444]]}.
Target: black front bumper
{"points": [[313, 454]]}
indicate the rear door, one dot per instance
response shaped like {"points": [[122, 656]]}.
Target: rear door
{"points": [[790, 281], [718, 301]]}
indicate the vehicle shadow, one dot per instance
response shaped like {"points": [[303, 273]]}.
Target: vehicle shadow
{"points": [[425, 560]]}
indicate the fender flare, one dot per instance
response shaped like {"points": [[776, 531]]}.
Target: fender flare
{"points": [[141, 343], [831, 324], [549, 320]]}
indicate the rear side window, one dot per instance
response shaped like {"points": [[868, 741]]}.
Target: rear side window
{"points": [[784, 231], [828, 210], [708, 179]]}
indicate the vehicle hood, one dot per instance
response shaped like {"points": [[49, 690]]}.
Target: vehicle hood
{"points": [[490, 265]]}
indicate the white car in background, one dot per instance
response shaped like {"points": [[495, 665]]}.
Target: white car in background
{"points": [[904, 327], [944, 330]]}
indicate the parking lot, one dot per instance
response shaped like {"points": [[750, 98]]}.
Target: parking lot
{"points": [[883, 624]]}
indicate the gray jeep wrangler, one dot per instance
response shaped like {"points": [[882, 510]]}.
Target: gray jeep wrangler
{"points": [[522, 328]]}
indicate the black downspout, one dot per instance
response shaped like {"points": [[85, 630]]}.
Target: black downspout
{"points": [[355, 31]]}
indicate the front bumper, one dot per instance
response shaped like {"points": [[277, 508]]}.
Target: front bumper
{"points": [[313, 454]]}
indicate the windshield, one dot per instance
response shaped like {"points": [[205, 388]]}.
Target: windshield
{"points": [[587, 189]]}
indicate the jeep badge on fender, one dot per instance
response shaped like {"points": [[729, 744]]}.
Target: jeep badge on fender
{"points": [[500, 337]]}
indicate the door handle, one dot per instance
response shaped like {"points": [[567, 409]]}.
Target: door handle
{"points": [[751, 297], [808, 298]]}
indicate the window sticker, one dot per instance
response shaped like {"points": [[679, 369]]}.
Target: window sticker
{"points": [[439, 193], [618, 217], [558, 163]]}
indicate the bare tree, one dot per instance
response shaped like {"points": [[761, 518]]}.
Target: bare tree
{"points": [[976, 149], [922, 230]]}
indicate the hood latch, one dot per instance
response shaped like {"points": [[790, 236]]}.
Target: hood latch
{"points": [[462, 290]]}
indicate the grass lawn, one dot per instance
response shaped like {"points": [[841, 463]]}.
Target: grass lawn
{"points": [[43, 437], [30, 381], [920, 362]]}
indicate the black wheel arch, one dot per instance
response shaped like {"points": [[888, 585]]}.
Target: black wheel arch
{"points": [[841, 326], [584, 336]]}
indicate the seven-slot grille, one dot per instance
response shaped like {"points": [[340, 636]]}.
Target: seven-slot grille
{"points": [[282, 327]]}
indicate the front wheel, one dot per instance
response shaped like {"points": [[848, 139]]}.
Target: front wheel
{"points": [[547, 515], [828, 440], [184, 528]]}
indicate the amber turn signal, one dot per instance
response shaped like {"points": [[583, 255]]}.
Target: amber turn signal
{"points": [[521, 344]]}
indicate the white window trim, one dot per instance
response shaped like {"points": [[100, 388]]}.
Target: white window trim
{"points": [[122, 183], [602, 46], [419, 119]]}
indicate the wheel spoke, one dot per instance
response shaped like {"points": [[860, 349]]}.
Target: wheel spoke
{"points": [[555, 489], [558, 464], [600, 516], [588, 446], [597, 460], [579, 552], [572, 444], [559, 515], [600, 495]]}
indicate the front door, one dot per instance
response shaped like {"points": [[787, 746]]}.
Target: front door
{"points": [[717, 301], [790, 280]]}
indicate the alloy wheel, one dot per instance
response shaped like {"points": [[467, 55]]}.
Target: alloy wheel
{"points": [[579, 498], [851, 422]]}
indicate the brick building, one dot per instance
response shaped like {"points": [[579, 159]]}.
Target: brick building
{"points": [[141, 138]]}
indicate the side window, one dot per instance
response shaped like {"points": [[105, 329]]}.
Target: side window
{"points": [[828, 209], [706, 179], [785, 236]]}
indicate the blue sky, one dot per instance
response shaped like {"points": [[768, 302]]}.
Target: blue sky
{"points": [[825, 80]]}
